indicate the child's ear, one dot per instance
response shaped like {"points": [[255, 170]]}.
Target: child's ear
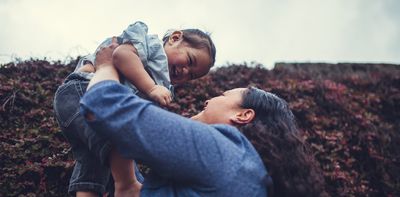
{"points": [[175, 36]]}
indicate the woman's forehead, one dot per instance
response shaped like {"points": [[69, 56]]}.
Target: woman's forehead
{"points": [[235, 91]]}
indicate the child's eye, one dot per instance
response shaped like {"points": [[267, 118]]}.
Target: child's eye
{"points": [[190, 61]]}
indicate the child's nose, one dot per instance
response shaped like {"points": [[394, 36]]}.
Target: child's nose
{"points": [[185, 70]]}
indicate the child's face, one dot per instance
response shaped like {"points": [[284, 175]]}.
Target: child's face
{"points": [[185, 63]]}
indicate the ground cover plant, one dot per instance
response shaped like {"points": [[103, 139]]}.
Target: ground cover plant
{"points": [[348, 113]]}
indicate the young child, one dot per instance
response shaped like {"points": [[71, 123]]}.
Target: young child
{"points": [[147, 65]]}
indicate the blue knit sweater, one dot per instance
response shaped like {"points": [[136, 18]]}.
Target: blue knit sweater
{"points": [[186, 157]]}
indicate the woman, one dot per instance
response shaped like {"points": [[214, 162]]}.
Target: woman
{"points": [[206, 155]]}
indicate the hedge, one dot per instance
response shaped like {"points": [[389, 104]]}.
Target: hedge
{"points": [[348, 113]]}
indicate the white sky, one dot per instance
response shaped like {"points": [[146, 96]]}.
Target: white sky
{"points": [[263, 31]]}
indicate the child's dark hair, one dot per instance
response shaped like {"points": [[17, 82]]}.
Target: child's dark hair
{"points": [[197, 39]]}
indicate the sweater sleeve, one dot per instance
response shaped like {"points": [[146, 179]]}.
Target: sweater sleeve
{"points": [[173, 146]]}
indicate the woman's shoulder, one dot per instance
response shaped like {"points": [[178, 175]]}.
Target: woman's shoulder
{"points": [[247, 172], [231, 133], [235, 141], [239, 140]]}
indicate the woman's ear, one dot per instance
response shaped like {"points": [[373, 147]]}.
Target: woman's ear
{"points": [[175, 36], [244, 116]]}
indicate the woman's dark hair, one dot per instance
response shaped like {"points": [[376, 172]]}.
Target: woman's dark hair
{"points": [[275, 136], [198, 40]]}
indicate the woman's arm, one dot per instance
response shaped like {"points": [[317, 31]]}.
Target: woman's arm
{"points": [[173, 146], [105, 69], [88, 68]]}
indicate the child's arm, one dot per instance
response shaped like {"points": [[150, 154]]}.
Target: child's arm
{"points": [[126, 60]]}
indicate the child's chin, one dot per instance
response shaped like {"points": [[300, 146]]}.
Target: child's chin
{"points": [[176, 81]]}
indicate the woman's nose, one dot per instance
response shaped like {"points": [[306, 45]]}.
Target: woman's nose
{"points": [[206, 103]]}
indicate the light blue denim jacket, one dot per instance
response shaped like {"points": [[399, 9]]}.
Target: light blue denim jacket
{"points": [[187, 158], [150, 50]]}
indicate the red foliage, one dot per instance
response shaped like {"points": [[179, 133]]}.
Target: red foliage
{"points": [[351, 122]]}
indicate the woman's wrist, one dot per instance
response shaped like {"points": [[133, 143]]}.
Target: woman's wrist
{"points": [[105, 69]]}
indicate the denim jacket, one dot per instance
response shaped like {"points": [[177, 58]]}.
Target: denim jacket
{"points": [[150, 50]]}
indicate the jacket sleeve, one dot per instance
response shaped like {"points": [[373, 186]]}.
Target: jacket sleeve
{"points": [[171, 145]]}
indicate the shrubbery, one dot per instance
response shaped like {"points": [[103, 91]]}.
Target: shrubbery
{"points": [[350, 119]]}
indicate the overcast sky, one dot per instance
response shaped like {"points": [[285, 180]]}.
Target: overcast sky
{"points": [[263, 31]]}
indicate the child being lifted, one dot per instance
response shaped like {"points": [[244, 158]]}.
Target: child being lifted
{"points": [[147, 65]]}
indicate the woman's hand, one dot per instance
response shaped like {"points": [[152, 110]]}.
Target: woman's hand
{"points": [[87, 68], [104, 55], [105, 69]]}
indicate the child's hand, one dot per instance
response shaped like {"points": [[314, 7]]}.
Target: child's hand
{"points": [[160, 94]]}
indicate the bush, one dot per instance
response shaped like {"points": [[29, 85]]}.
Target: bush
{"points": [[351, 121]]}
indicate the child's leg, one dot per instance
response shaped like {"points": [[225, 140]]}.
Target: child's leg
{"points": [[123, 173], [89, 177], [86, 194]]}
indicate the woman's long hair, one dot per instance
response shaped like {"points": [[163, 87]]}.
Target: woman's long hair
{"points": [[275, 136]]}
